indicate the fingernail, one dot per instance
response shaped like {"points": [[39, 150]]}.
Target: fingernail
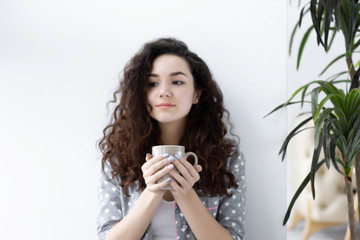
{"points": [[200, 167], [148, 154], [177, 156], [171, 158], [169, 180], [165, 155], [170, 166]]}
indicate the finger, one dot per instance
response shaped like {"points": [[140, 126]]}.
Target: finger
{"points": [[180, 167], [185, 162], [159, 174], [160, 185], [148, 156], [157, 166], [185, 168], [154, 160], [179, 184], [180, 179], [154, 178], [175, 186], [156, 171], [165, 182], [190, 175], [198, 168]]}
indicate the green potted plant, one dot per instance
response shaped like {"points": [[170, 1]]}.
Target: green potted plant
{"points": [[335, 101]]}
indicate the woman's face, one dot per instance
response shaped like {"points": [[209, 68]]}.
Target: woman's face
{"points": [[171, 90]]}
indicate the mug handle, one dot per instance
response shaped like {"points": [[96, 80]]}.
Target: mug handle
{"points": [[192, 154]]}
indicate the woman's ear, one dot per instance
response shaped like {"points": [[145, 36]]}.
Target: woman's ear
{"points": [[197, 95]]}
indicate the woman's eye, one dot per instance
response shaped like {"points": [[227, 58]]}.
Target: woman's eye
{"points": [[177, 82], [153, 84]]}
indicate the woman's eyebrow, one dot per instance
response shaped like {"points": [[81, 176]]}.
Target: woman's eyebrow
{"points": [[178, 73], [153, 75], [171, 74]]}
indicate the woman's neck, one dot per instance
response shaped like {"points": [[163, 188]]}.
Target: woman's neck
{"points": [[171, 133]]}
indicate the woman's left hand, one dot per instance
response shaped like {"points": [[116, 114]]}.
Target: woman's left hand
{"points": [[189, 176]]}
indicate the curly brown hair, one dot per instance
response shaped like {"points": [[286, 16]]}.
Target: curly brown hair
{"points": [[132, 132]]}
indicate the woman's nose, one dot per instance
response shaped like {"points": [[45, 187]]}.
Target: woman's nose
{"points": [[165, 91]]}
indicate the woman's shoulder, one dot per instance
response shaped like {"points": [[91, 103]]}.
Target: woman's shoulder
{"points": [[237, 156], [106, 174], [110, 181], [234, 143]]}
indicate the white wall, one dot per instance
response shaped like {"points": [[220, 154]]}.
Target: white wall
{"points": [[58, 67]]}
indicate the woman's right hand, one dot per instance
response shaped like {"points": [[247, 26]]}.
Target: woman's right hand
{"points": [[154, 169]]}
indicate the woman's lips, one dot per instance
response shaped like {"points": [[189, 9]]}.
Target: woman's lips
{"points": [[165, 105]]}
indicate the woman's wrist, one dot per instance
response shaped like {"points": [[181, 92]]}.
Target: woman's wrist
{"points": [[155, 194], [183, 198]]}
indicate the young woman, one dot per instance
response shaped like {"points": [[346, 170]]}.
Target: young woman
{"points": [[168, 97]]}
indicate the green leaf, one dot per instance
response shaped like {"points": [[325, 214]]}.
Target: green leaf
{"points": [[321, 105], [299, 90], [314, 101], [282, 106], [329, 86], [336, 13], [302, 14], [290, 136], [335, 76], [339, 81], [357, 64], [332, 39], [339, 103], [319, 123], [320, 26], [353, 48], [333, 143], [328, 16], [304, 114], [351, 149], [352, 28], [292, 37], [298, 192], [354, 116], [302, 45], [314, 162], [344, 22], [339, 106], [342, 145], [303, 95], [337, 126], [332, 62], [353, 100], [315, 19], [326, 141]]}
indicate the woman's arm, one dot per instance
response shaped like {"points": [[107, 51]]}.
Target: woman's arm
{"points": [[230, 222], [135, 223], [202, 224], [231, 211]]}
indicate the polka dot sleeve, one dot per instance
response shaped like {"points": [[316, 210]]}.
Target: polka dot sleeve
{"points": [[231, 213], [110, 204]]}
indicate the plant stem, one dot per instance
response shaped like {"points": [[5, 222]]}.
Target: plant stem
{"points": [[357, 176], [350, 198], [350, 66]]}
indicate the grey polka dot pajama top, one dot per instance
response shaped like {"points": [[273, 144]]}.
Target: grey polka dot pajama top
{"points": [[228, 211]]}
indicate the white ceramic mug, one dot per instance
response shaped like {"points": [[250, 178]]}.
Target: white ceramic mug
{"points": [[172, 150]]}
